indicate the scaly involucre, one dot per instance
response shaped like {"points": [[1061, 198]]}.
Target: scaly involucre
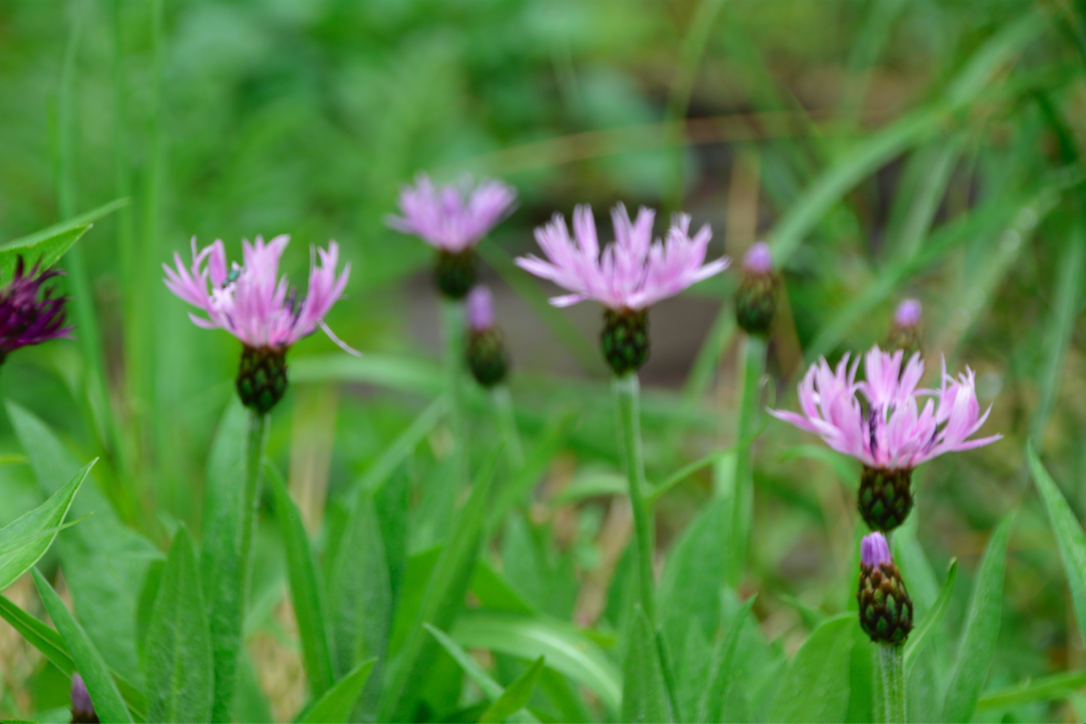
{"points": [[633, 272], [27, 314], [888, 429], [252, 302], [452, 218]]}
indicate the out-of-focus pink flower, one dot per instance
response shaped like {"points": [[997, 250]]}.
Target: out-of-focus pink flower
{"points": [[29, 315], [251, 301], [758, 259], [874, 551], [452, 218], [908, 313], [888, 429], [632, 273], [480, 309]]}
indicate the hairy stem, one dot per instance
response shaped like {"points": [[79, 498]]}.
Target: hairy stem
{"points": [[892, 676], [250, 498], [453, 329], [503, 405]]}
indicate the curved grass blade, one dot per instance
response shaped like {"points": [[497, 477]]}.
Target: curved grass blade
{"points": [[725, 673], [516, 695], [1048, 688], [919, 637], [336, 705]]}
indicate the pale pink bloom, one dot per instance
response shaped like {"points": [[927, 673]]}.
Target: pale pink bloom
{"points": [[452, 218], [758, 259], [908, 313], [480, 309], [874, 551], [252, 302], [633, 272], [887, 428]]}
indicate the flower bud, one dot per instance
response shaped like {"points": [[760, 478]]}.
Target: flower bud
{"points": [[487, 358], [625, 339], [886, 611], [885, 497], [756, 298], [82, 707], [262, 377], [905, 331], [455, 272]]}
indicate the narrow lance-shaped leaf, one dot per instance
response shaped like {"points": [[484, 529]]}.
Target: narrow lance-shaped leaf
{"points": [[644, 693], [516, 695], [178, 663], [103, 692], [924, 630], [336, 704], [981, 630], [724, 672], [816, 684]]}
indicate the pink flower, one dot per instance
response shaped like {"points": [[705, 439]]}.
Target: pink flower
{"points": [[887, 429], [480, 309], [874, 551], [452, 218], [632, 273], [758, 259], [251, 301], [908, 313]]}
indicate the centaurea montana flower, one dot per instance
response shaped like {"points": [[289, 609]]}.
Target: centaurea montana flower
{"points": [[879, 421], [630, 275], [487, 358], [29, 315], [756, 295], [453, 219], [886, 611], [256, 305]]}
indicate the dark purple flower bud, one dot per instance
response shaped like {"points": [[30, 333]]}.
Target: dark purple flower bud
{"points": [[886, 611], [82, 707], [27, 314]]}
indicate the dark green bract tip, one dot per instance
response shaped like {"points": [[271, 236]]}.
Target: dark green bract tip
{"points": [[455, 273], [625, 339], [905, 338], [885, 498], [262, 378], [756, 302], [886, 611], [487, 359]]}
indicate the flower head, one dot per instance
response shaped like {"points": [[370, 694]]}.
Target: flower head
{"points": [[480, 309], [633, 272], [756, 295], [887, 428], [452, 218], [251, 301], [27, 314], [874, 551]]}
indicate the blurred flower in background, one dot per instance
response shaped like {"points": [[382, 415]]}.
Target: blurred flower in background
{"points": [[29, 315]]}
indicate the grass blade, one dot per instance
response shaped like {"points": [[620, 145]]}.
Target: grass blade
{"points": [[336, 705], [516, 695], [931, 620]]}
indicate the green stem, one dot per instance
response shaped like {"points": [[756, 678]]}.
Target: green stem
{"points": [[741, 488], [892, 676], [454, 330], [503, 404], [250, 500]]}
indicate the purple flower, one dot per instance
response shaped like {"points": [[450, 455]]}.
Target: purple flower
{"points": [[251, 301], [82, 706], [908, 313], [874, 551], [633, 272], [758, 259], [480, 309], [27, 314], [887, 429], [452, 218]]}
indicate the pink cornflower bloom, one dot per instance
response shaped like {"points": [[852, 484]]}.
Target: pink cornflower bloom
{"points": [[881, 423], [632, 273], [887, 427], [452, 218], [256, 305], [251, 301]]}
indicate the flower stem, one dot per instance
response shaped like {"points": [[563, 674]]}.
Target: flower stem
{"points": [[453, 329], [250, 499], [503, 404], [892, 676]]}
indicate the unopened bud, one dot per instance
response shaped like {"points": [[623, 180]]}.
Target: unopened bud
{"points": [[487, 359], [886, 611], [905, 331], [82, 707], [756, 298]]}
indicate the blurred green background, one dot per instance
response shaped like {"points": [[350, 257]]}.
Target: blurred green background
{"points": [[887, 148]]}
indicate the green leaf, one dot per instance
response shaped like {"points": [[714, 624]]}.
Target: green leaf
{"points": [[816, 684], [104, 562], [725, 674], [445, 591], [490, 688], [397, 451], [516, 695], [27, 538], [397, 373], [336, 705], [1069, 535], [981, 630], [924, 630], [103, 692], [1048, 688], [305, 590], [221, 552], [567, 650], [178, 663], [644, 692]]}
